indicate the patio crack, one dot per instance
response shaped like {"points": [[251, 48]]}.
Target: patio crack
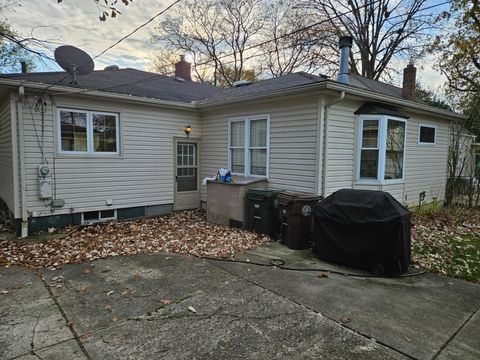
{"points": [[32, 342], [316, 312], [456, 333], [65, 317]]}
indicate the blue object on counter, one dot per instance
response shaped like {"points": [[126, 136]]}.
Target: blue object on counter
{"points": [[224, 175]]}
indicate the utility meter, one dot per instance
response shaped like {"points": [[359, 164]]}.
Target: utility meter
{"points": [[44, 170], [44, 182]]}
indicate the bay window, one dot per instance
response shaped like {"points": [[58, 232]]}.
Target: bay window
{"points": [[381, 148], [248, 146], [88, 132]]}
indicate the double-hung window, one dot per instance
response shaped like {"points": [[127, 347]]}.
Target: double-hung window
{"points": [[381, 148], [88, 132], [248, 145]]}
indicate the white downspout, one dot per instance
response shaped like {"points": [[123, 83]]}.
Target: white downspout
{"points": [[319, 155], [325, 141], [21, 145]]}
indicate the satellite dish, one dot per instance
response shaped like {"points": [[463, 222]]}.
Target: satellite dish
{"points": [[74, 61]]}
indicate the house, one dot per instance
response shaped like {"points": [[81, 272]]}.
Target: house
{"points": [[124, 143]]}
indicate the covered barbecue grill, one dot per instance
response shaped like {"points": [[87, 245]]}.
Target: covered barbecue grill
{"points": [[363, 229]]}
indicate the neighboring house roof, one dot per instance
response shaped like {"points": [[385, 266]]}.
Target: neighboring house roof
{"points": [[127, 81]]}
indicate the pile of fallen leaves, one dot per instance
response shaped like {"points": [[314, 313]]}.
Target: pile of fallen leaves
{"points": [[448, 242], [185, 232]]}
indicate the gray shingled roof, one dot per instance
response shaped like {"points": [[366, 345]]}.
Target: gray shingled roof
{"points": [[265, 86], [375, 86], [150, 85], [128, 81]]}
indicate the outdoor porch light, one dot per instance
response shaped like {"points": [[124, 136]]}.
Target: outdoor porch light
{"points": [[188, 130]]}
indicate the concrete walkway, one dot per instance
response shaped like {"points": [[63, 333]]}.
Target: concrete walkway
{"points": [[166, 306]]}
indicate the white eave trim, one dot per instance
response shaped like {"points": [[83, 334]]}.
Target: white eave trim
{"points": [[65, 90], [335, 86], [393, 100]]}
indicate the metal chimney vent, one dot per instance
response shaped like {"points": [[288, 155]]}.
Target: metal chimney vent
{"points": [[345, 44]]}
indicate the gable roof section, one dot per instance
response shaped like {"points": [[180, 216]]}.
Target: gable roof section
{"points": [[375, 86], [261, 87], [371, 108], [129, 82]]}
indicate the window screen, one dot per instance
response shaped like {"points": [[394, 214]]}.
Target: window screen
{"points": [[427, 134], [395, 143], [104, 133], [73, 129], [369, 151]]}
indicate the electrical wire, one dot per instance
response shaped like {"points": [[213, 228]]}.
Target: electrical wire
{"points": [[279, 263], [308, 27], [40, 142], [225, 55], [209, 61], [119, 41]]}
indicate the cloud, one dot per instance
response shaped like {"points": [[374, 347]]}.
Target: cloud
{"points": [[77, 23]]}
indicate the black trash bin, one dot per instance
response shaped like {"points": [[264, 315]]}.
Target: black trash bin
{"points": [[295, 212], [263, 211]]}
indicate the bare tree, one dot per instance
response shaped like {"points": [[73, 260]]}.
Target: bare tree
{"points": [[382, 30], [216, 33], [294, 45], [163, 62]]}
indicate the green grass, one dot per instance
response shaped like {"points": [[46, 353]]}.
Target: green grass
{"points": [[456, 255]]}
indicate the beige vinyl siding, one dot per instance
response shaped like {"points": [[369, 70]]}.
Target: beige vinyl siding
{"points": [[425, 165], [293, 139], [6, 155], [141, 175], [341, 146]]}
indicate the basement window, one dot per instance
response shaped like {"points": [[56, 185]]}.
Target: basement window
{"points": [[427, 134], [88, 132], [90, 217], [381, 152]]}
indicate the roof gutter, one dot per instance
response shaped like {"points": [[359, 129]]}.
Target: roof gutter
{"points": [[337, 87], [393, 100], [65, 90]]}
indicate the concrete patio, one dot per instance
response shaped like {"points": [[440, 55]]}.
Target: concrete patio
{"points": [[175, 307]]}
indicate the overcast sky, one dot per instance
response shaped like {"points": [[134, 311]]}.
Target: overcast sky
{"points": [[75, 22]]}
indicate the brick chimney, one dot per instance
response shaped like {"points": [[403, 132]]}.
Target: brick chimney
{"points": [[409, 81], [183, 69]]}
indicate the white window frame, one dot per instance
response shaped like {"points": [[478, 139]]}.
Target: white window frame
{"points": [[90, 150], [434, 138], [246, 145], [382, 147], [99, 219]]}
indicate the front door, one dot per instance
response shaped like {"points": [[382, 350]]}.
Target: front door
{"points": [[187, 195]]}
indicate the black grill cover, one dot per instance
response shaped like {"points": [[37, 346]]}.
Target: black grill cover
{"points": [[363, 229]]}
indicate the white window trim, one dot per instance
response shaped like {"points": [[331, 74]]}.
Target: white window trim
{"points": [[246, 145], [90, 150], [428, 126], [382, 144]]}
